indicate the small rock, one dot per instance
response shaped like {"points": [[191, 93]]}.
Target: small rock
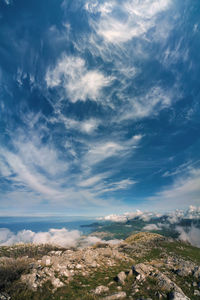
{"points": [[120, 295], [138, 277], [4, 296], [56, 282], [194, 284], [177, 296], [121, 277], [197, 272], [136, 291], [65, 273], [184, 271], [119, 288], [46, 260], [101, 289], [196, 293], [78, 266], [94, 264]]}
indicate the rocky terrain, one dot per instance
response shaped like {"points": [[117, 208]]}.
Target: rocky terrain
{"points": [[143, 266]]}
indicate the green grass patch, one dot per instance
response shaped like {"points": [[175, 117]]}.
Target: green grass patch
{"points": [[183, 250]]}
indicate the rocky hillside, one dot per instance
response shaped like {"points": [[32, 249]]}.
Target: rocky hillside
{"points": [[144, 266]]}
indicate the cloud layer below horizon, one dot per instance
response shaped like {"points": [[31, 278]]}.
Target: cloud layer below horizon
{"points": [[184, 224]]}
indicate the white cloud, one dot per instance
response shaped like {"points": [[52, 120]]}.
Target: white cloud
{"points": [[114, 218], [191, 213], [174, 217], [37, 171], [91, 240], [79, 83], [23, 175], [147, 105], [114, 186], [192, 235], [118, 23], [151, 227], [133, 18], [86, 126], [123, 217], [103, 150], [4, 168], [32, 165], [60, 237], [91, 181]]}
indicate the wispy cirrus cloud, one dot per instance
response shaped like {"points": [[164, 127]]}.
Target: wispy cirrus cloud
{"points": [[102, 150], [86, 126], [123, 184], [40, 172], [119, 23], [96, 97], [184, 190], [149, 104]]}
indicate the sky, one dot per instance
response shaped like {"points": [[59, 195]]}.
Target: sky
{"points": [[99, 106]]}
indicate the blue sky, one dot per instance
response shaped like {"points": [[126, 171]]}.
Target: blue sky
{"points": [[99, 106]]}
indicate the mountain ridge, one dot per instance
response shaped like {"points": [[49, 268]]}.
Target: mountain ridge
{"points": [[143, 266]]}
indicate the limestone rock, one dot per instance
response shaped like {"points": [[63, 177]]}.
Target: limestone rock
{"points": [[120, 295], [46, 260], [197, 272], [57, 283], [167, 284], [196, 293], [177, 296], [101, 289], [4, 296], [121, 277]]}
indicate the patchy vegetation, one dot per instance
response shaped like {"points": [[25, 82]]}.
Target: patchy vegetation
{"points": [[144, 266]]}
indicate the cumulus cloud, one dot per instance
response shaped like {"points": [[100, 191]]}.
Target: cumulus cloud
{"points": [[123, 217], [60, 237], [192, 213], [79, 83], [192, 235], [150, 227], [91, 240]]}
